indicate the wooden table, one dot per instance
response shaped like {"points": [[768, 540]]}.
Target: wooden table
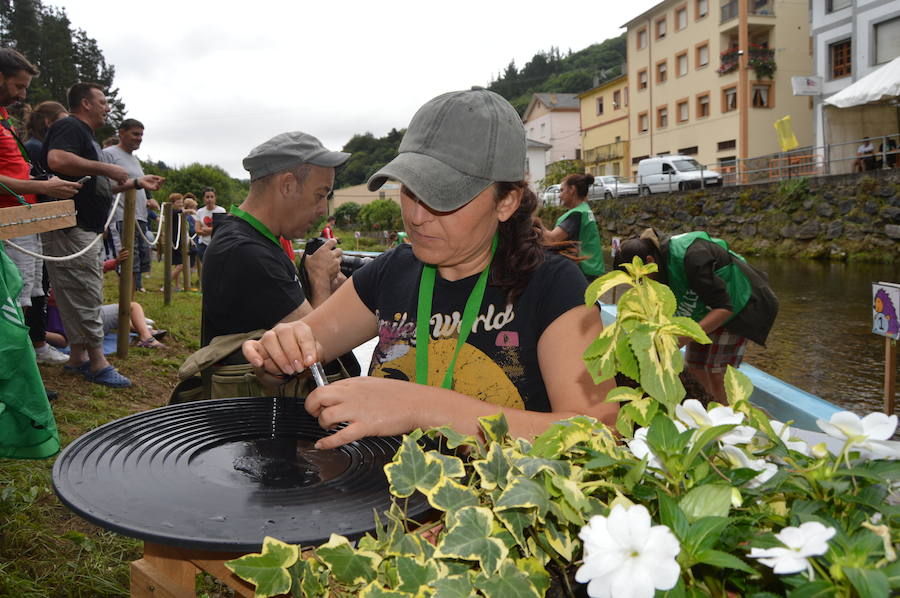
{"points": [[167, 572]]}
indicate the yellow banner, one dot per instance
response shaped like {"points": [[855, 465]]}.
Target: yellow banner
{"points": [[785, 132]]}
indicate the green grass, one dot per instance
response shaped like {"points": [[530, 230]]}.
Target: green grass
{"points": [[45, 549]]}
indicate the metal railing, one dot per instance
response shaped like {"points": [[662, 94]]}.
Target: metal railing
{"points": [[729, 11]]}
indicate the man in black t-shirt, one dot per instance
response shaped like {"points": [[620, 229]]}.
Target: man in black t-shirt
{"points": [[248, 281], [71, 152]]}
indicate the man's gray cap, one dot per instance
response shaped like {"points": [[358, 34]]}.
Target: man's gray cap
{"points": [[287, 150], [457, 145]]}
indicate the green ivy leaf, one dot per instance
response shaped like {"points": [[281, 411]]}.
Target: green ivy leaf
{"points": [[412, 574], [454, 438], [469, 538], [600, 462], [536, 572], [717, 558], [451, 466], [571, 492], [412, 469], [267, 570], [346, 564], [522, 493], [561, 436], [737, 386], [449, 496], [560, 540], [869, 583], [510, 582], [313, 578], [494, 427], [374, 590], [516, 521], [708, 500], [494, 468], [603, 284], [454, 586], [531, 466]]}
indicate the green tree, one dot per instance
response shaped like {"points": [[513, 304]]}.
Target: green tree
{"points": [[557, 171], [346, 216], [368, 154], [381, 214], [194, 177]]}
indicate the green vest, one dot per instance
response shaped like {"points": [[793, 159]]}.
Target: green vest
{"points": [[27, 427], [689, 303], [589, 238]]}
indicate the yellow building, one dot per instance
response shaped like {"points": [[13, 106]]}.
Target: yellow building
{"points": [[604, 127], [360, 194], [701, 78]]}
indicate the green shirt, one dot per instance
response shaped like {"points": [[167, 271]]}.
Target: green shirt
{"points": [[589, 240]]}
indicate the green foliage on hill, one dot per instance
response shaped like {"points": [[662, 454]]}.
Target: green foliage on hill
{"points": [[193, 178], [45, 36], [551, 72], [368, 155]]}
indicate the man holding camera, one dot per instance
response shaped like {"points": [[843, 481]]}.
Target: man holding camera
{"points": [[249, 283]]}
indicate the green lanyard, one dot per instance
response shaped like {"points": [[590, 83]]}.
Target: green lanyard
{"points": [[252, 221], [423, 319]]}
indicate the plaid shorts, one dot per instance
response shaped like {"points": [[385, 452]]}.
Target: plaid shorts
{"points": [[726, 349]]}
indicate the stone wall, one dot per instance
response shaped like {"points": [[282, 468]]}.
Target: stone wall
{"points": [[837, 217]]}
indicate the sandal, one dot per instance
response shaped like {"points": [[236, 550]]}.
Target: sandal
{"points": [[77, 369], [159, 334], [150, 343], [108, 376]]}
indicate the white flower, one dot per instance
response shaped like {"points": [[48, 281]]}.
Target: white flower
{"points": [[869, 434], [694, 415], [739, 459], [626, 557], [808, 540], [786, 434], [640, 449]]}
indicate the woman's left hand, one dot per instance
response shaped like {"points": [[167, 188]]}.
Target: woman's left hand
{"points": [[370, 406]]}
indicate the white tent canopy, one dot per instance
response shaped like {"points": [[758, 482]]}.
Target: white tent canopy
{"points": [[880, 85]]}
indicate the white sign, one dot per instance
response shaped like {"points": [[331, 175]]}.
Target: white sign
{"points": [[807, 86], [885, 309]]}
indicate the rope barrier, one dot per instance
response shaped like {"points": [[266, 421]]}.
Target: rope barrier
{"points": [[162, 221], [65, 258], [177, 236]]}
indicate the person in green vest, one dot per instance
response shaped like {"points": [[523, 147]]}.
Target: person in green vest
{"points": [[579, 225], [717, 288]]}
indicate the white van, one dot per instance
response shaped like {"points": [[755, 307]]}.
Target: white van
{"points": [[673, 173]]}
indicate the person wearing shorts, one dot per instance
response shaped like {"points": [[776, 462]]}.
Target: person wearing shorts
{"points": [[730, 299]]}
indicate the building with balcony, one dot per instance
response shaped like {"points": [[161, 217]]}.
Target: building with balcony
{"points": [[553, 118], [604, 126], [850, 39], [709, 78]]}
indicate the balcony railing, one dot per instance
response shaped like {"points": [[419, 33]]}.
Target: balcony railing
{"points": [[756, 7], [605, 153], [729, 10]]}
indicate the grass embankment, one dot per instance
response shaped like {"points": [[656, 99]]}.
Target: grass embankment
{"points": [[45, 549]]}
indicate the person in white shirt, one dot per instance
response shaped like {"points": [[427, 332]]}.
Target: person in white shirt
{"points": [[204, 223]]}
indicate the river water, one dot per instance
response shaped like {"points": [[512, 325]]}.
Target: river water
{"points": [[822, 340]]}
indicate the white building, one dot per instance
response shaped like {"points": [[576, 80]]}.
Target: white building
{"points": [[555, 119]]}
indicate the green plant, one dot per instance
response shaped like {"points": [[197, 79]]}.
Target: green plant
{"points": [[794, 190], [346, 215], [762, 61], [558, 170], [381, 214], [693, 502]]}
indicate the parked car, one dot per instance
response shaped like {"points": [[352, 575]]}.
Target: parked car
{"points": [[550, 195], [608, 187], [672, 173]]}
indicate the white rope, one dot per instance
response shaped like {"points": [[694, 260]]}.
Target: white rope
{"points": [[65, 258], [178, 236], [162, 221]]}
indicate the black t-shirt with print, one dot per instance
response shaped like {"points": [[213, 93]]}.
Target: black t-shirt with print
{"points": [[94, 200], [248, 282], [499, 362]]}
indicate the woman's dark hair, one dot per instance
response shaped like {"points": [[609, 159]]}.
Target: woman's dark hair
{"points": [[520, 251], [40, 114], [641, 248], [581, 182]]}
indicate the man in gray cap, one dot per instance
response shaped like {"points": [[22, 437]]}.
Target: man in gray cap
{"points": [[249, 282]]}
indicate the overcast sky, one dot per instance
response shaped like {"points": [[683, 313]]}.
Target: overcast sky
{"points": [[211, 80]]}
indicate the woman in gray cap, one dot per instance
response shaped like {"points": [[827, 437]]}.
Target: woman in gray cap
{"points": [[473, 316]]}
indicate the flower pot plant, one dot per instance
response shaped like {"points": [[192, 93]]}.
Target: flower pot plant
{"points": [[690, 501]]}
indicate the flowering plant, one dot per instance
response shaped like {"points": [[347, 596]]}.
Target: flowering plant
{"points": [[728, 61], [762, 61], [692, 501]]}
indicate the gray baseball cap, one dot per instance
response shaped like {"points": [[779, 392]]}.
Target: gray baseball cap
{"points": [[288, 150], [457, 145]]}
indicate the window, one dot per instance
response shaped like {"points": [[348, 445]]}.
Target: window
{"points": [[726, 145], [599, 105], [729, 99], [702, 58], [680, 18], [661, 28], [625, 97], [542, 129], [833, 5], [662, 117], [617, 99], [887, 40], [643, 123], [762, 95], [702, 8], [681, 111], [661, 71], [681, 64], [689, 151], [642, 38], [841, 59], [703, 105], [617, 168], [642, 79]]}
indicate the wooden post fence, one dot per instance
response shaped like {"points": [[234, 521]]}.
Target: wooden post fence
{"points": [[167, 252], [890, 374], [185, 260], [126, 278]]}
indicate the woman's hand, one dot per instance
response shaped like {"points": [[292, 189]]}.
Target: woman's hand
{"points": [[288, 348], [370, 406]]}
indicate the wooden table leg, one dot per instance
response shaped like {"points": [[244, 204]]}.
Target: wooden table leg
{"points": [[162, 574]]}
